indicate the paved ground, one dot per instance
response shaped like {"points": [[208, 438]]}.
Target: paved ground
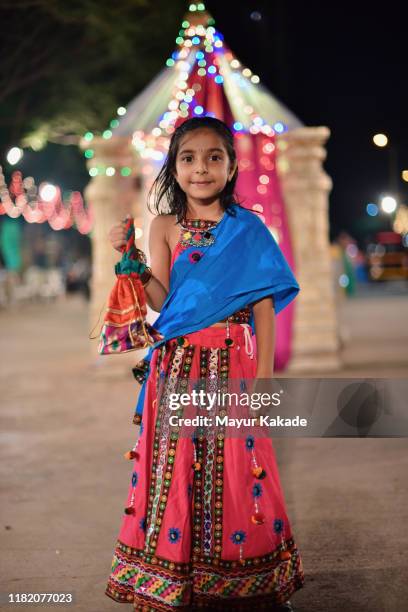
{"points": [[66, 421]]}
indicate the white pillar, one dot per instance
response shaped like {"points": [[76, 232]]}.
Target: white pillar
{"points": [[112, 198], [305, 187]]}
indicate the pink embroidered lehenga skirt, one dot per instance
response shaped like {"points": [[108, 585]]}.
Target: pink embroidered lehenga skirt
{"points": [[190, 540]]}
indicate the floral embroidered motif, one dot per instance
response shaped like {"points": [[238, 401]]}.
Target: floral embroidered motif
{"points": [[257, 490], [174, 535], [238, 537], [195, 256], [278, 525], [134, 479], [250, 442], [196, 232]]}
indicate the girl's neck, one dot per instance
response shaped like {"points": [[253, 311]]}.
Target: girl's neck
{"points": [[211, 212]]}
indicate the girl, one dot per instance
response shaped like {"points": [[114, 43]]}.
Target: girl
{"points": [[205, 524]]}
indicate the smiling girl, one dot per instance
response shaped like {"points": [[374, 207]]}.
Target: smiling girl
{"points": [[205, 525]]}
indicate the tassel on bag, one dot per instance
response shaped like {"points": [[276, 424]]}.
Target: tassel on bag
{"points": [[125, 327]]}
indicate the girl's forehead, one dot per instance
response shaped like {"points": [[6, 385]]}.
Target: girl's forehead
{"points": [[201, 139]]}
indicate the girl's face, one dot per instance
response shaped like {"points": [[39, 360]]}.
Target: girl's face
{"points": [[202, 165]]}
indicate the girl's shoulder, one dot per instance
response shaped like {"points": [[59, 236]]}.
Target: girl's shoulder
{"points": [[164, 228], [163, 221]]}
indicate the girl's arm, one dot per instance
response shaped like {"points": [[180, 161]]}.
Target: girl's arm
{"points": [[264, 318], [157, 288]]}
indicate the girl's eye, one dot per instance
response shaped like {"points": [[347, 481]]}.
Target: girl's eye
{"points": [[187, 158], [215, 157]]}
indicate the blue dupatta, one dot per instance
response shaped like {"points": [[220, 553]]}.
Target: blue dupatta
{"points": [[242, 266]]}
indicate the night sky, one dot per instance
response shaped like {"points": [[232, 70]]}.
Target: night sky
{"points": [[342, 65]]}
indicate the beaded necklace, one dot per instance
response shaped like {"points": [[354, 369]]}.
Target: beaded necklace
{"points": [[197, 232]]}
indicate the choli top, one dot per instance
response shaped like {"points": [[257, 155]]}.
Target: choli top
{"points": [[196, 232]]}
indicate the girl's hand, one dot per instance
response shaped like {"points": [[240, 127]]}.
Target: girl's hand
{"points": [[117, 235]]}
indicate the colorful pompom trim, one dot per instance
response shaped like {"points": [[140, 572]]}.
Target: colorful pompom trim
{"points": [[132, 454], [258, 472], [285, 555], [258, 518]]}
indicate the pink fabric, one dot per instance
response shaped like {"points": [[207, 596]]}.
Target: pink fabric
{"points": [[176, 252], [238, 479], [253, 566], [258, 187]]}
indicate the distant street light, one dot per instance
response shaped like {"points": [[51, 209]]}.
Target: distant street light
{"points": [[380, 140], [388, 204]]}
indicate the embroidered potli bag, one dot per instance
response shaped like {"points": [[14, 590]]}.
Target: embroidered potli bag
{"points": [[125, 327]]}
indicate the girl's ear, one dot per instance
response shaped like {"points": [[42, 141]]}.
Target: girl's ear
{"points": [[232, 170]]}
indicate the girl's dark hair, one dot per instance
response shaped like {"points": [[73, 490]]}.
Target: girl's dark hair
{"points": [[166, 187]]}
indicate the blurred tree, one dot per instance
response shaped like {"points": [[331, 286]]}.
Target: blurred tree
{"points": [[66, 66]]}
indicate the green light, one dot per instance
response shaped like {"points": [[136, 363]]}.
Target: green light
{"points": [[200, 7], [201, 72], [181, 32], [88, 136], [170, 62], [179, 40], [126, 171], [89, 153], [211, 21], [107, 134], [114, 123], [192, 8], [202, 63], [185, 24], [93, 171]]}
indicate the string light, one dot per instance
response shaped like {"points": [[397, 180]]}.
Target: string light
{"points": [[14, 155], [44, 204], [187, 61]]}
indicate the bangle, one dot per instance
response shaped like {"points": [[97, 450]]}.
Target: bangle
{"points": [[146, 277]]}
